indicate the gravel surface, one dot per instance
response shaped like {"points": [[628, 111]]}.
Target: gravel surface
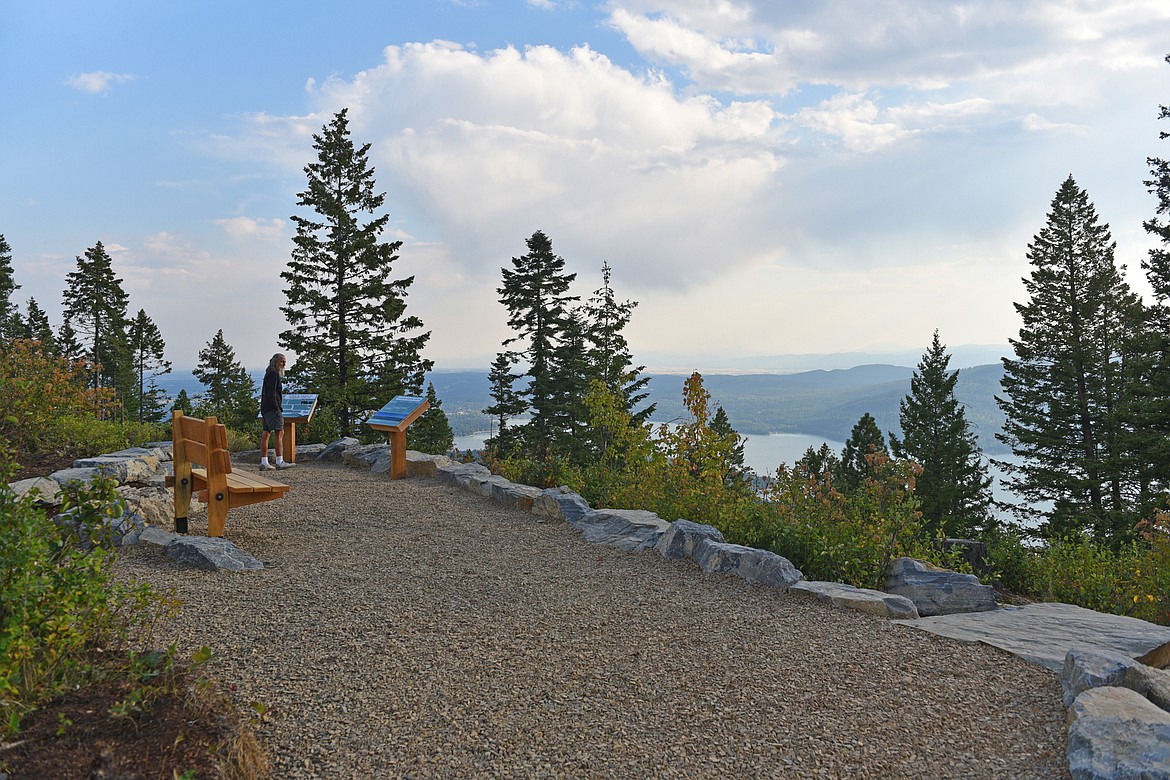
{"points": [[408, 628]]}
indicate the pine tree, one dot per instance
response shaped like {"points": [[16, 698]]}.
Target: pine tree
{"points": [[148, 360], [721, 425], [1066, 398], [37, 327], [864, 441], [9, 314], [231, 393], [349, 328], [509, 404], [535, 293], [183, 402], [609, 352], [95, 304], [953, 489], [67, 343], [431, 433], [568, 416], [1157, 264]]}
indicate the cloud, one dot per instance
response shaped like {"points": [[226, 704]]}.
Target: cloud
{"points": [[98, 81], [246, 227]]}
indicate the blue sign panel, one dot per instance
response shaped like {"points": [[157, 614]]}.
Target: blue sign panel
{"points": [[395, 412], [298, 406]]}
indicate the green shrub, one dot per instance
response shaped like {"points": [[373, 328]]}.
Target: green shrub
{"points": [[84, 436], [59, 604]]}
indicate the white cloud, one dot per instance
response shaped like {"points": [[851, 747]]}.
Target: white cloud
{"points": [[246, 227], [98, 81]]}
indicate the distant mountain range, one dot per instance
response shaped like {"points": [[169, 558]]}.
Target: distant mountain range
{"points": [[820, 402]]}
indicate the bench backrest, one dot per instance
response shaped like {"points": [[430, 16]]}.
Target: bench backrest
{"points": [[200, 441]]}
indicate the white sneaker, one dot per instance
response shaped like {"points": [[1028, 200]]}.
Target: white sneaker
{"points": [[285, 465], [267, 467]]}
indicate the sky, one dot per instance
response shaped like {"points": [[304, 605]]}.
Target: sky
{"points": [[763, 177]]}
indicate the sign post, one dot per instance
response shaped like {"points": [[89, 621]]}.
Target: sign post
{"points": [[394, 418], [295, 407]]}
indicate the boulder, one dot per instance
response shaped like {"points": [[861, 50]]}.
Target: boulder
{"points": [[1152, 683], [871, 602], [419, 464], [1043, 633], [154, 503], [44, 491], [1116, 734], [683, 536], [152, 534], [66, 476], [626, 529], [333, 452], [936, 591], [211, 554], [762, 566], [514, 496], [562, 504], [1085, 669], [461, 474], [123, 468], [366, 456]]}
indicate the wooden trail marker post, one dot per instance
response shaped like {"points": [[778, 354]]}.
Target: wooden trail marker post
{"points": [[394, 418]]}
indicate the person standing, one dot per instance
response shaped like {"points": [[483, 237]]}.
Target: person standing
{"points": [[271, 410]]}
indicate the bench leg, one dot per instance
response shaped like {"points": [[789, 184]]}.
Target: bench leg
{"points": [[217, 507], [182, 496]]}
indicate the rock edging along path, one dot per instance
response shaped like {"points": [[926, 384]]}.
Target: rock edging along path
{"points": [[411, 628]]}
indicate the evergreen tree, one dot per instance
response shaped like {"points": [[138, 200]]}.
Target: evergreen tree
{"points": [[1066, 397], [509, 404], [95, 304], [1157, 264], [67, 343], [148, 360], [37, 327], [822, 465], [864, 441], [609, 352], [9, 314], [953, 489], [431, 433], [348, 319], [183, 402], [721, 425], [231, 393], [535, 293]]}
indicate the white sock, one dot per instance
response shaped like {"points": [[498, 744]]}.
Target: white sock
{"points": [[264, 461], [279, 460]]}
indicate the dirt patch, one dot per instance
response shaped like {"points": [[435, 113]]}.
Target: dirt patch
{"points": [[41, 464], [191, 733]]}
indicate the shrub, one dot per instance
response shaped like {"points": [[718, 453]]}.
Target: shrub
{"points": [[59, 604]]}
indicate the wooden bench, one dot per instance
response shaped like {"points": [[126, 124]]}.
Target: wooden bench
{"points": [[205, 442]]}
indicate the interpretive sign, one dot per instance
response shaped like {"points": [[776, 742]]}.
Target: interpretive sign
{"points": [[394, 418], [400, 412], [299, 406]]}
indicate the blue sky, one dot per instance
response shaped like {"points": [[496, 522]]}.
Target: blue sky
{"points": [[763, 177]]}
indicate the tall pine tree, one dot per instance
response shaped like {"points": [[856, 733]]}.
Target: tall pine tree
{"points": [[9, 315], [95, 305], [37, 327], [609, 352], [1066, 399], [148, 359], [231, 392], [864, 441], [355, 345], [535, 293], [508, 404], [431, 433], [954, 488]]}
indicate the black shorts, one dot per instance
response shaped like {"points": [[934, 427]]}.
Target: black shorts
{"points": [[274, 421]]}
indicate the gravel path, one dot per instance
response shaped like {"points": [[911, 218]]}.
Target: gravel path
{"points": [[412, 629]]}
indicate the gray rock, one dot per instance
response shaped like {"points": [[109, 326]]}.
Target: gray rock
{"points": [[516, 496], [1116, 734], [460, 474], [212, 554], [562, 504], [65, 476], [152, 534], [155, 503], [1044, 633], [1086, 669], [120, 467], [626, 529], [683, 536], [420, 464], [485, 486], [1152, 683], [366, 455], [383, 463], [334, 451], [43, 490], [937, 591], [754, 565], [871, 602]]}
